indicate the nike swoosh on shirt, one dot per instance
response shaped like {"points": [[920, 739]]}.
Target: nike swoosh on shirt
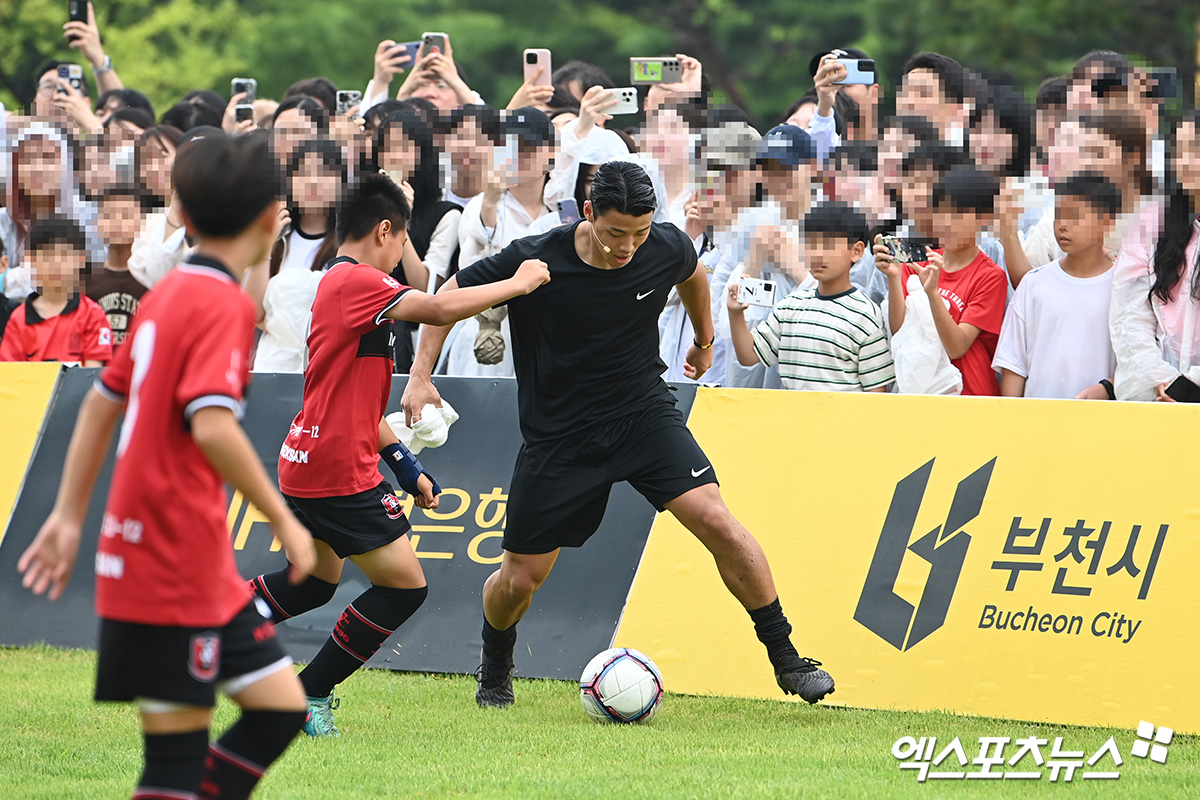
{"points": [[644, 296], [696, 473]]}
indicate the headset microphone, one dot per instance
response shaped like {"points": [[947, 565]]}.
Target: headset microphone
{"points": [[603, 246]]}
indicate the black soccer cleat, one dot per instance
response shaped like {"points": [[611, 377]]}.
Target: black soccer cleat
{"points": [[806, 680], [495, 676]]}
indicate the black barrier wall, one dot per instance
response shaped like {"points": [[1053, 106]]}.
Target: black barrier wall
{"points": [[573, 617]]}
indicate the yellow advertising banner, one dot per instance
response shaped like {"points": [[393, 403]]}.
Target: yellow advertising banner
{"points": [[1025, 559], [25, 391]]}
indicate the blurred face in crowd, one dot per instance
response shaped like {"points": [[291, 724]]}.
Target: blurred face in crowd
{"points": [[667, 139], [916, 193], [39, 167], [991, 146], [589, 177], [954, 228], [315, 186], [43, 100], [803, 115], [1078, 224], [438, 92], [861, 189], [786, 184], [469, 149], [56, 269], [97, 169], [893, 147], [291, 129], [921, 95], [829, 257], [120, 220], [399, 155], [533, 161], [1187, 160], [110, 105], [157, 157]]}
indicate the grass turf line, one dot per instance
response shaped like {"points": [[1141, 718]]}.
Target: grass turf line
{"points": [[421, 736]]}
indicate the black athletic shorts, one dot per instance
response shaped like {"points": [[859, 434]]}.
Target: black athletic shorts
{"points": [[560, 489], [187, 666], [355, 523]]}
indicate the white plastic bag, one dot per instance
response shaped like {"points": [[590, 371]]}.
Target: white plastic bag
{"points": [[922, 365]]}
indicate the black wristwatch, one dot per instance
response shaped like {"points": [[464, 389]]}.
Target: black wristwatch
{"points": [[1108, 387]]}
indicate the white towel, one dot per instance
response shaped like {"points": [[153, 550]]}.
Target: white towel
{"points": [[430, 430]]}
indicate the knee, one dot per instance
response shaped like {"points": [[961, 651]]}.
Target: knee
{"points": [[714, 522], [520, 583]]}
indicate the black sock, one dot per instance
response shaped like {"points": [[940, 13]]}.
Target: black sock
{"points": [[287, 600], [773, 630], [174, 765], [236, 762], [362, 629], [499, 643]]}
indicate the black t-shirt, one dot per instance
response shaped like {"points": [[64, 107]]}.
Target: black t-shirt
{"points": [[585, 345], [118, 293]]}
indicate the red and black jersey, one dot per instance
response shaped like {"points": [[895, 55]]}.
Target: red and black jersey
{"points": [[164, 556], [80, 333], [332, 447]]}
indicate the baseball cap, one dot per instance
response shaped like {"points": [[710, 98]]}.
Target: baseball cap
{"points": [[788, 145], [732, 145], [840, 52], [531, 126]]}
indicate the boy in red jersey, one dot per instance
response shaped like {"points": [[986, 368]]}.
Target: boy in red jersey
{"points": [[329, 462], [966, 289], [56, 322], [177, 623]]}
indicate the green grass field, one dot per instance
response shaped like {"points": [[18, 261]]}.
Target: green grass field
{"points": [[421, 736]]}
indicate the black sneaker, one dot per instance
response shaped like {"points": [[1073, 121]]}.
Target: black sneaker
{"points": [[495, 676], [806, 680]]}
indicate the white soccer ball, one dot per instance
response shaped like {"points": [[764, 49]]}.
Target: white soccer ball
{"points": [[621, 685]]}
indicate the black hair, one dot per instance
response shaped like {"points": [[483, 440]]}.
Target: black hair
{"points": [[915, 126], [862, 156], [836, 219], [129, 190], [967, 189], [137, 116], [55, 229], [366, 203], [954, 78], [1112, 62], [936, 155], [381, 111], [726, 114], [225, 182], [185, 116], [588, 75], [485, 116], [1170, 251], [206, 97], [1094, 189], [1052, 93], [1013, 114], [845, 109], [562, 100], [323, 90], [129, 98], [426, 110], [624, 187], [311, 108], [808, 97], [691, 109]]}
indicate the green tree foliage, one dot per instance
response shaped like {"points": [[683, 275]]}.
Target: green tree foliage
{"points": [[755, 53]]}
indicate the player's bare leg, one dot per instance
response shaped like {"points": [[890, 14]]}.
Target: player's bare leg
{"points": [[747, 575], [507, 594]]}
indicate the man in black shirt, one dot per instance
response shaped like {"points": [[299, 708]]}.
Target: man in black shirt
{"points": [[594, 410]]}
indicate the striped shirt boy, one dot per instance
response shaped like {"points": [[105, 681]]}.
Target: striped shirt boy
{"points": [[832, 343]]}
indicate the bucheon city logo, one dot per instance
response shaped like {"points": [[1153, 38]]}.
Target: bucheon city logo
{"points": [[880, 609]]}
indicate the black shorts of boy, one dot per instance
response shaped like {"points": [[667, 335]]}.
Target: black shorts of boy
{"points": [[353, 524], [560, 489], [166, 666]]}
